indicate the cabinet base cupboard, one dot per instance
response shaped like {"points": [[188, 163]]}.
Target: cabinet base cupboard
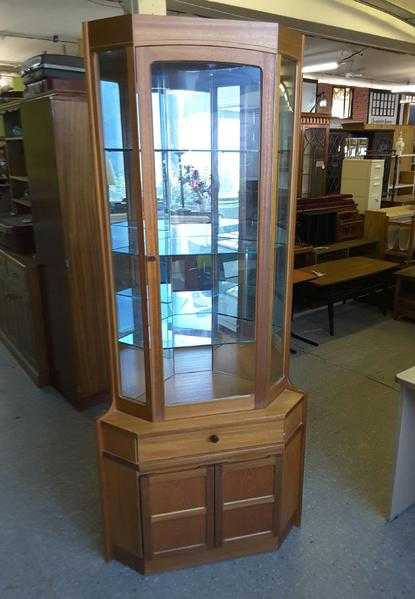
{"points": [[190, 491], [195, 124]]}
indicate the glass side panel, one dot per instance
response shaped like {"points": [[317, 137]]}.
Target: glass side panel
{"points": [[285, 149], [207, 140], [121, 213]]}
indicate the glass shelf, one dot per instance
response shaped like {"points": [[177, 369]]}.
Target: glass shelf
{"points": [[188, 318], [184, 239]]}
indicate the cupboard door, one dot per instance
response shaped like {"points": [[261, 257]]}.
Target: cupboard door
{"points": [[247, 499], [178, 511], [122, 507]]}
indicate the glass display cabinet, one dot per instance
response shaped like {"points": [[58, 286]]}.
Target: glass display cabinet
{"points": [[314, 143], [194, 124]]}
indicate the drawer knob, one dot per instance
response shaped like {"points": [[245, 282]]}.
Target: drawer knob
{"points": [[214, 439]]}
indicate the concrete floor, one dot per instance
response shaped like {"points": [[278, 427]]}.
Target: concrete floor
{"points": [[50, 523]]}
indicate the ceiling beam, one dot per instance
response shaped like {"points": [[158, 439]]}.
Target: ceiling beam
{"points": [[391, 8], [282, 12]]}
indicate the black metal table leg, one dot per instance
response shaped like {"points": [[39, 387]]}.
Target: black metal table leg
{"points": [[304, 339], [330, 310]]}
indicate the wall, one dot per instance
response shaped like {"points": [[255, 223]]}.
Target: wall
{"points": [[360, 104]]}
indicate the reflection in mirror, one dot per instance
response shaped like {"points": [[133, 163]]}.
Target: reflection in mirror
{"points": [[206, 126], [286, 133], [123, 227]]}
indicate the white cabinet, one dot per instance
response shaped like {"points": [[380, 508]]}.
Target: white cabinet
{"points": [[364, 179]]}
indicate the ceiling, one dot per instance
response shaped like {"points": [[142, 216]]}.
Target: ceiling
{"points": [[402, 9], [44, 18], [373, 64]]}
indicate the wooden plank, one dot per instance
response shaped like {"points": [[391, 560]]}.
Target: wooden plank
{"points": [[155, 31], [276, 410]]}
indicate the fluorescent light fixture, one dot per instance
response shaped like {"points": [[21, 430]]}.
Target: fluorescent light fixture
{"points": [[344, 81], [383, 85], [321, 67], [403, 89]]}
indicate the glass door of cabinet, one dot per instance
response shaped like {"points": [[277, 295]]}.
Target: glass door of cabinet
{"points": [[285, 198], [125, 229], [206, 118]]}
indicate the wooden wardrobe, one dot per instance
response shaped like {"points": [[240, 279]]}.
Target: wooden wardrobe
{"points": [[66, 230]]}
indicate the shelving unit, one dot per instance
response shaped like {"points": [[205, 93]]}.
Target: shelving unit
{"points": [[398, 178], [201, 452], [18, 179]]}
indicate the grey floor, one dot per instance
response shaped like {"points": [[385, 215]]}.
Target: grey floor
{"points": [[50, 524]]}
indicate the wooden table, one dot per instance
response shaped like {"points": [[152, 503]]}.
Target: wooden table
{"points": [[302, 276], [405, 293], [349, 278]]}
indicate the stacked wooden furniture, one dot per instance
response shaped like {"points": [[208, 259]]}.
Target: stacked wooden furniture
{"points": [[201, 453], [58, 162], [383, 226], [327, 219]]}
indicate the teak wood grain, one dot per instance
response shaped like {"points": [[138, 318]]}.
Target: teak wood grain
{"points": [[204, 480], [58, 157]]}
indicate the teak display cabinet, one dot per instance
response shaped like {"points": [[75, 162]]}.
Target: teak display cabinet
{"points": [[194, 124]]}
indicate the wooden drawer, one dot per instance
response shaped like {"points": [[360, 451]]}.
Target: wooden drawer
{"points": [[375, 187], [377, 168], [119, 443], [209, 441]]}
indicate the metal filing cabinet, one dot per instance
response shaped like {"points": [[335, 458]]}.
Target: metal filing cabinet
{"points": [[363, 178]]}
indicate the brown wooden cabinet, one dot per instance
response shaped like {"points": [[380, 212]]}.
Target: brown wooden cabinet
{"points": [[201, 453], [58, 162], [21, 314]]}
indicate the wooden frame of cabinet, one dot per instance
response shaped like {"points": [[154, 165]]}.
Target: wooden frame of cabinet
{"points": [[148, 442]]}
